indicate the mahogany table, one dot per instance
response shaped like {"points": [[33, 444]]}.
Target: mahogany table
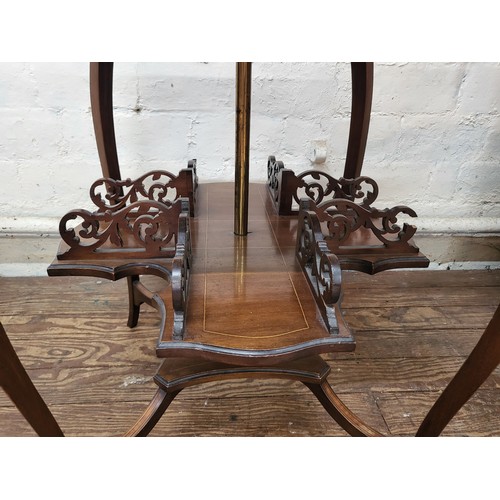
{"points": [[250, 309], [254, 293], [251, 292]]}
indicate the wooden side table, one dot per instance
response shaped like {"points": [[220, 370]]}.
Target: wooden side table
{"points": [[263, 302]]}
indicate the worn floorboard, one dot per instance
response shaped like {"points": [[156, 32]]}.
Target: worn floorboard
{"points": [[413, 331]]}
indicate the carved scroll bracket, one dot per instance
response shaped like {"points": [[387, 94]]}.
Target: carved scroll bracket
{"points": [[157, 185], [143, 229], [343, 217], [285, 187], [145, 237], [320, 266]]}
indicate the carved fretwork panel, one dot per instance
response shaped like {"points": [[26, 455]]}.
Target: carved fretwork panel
{"points": [[320, 266], [287, 189], [364, 238], [143, 229], [158, 185], [342, 218], [144, 237]]}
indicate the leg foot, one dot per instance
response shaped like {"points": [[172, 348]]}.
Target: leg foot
{"points": [[17, 384], [156, 408], [481, 362], [339, 411]]}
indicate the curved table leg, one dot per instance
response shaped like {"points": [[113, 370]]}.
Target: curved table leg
{"points": [[139, 294], [134, 303], [156, 408], [362, 92], [339, 411], [176, 374], [17, 384], [484, 358], [101, 102]]}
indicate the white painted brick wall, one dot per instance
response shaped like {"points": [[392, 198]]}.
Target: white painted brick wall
{"points": [[434, 140]]}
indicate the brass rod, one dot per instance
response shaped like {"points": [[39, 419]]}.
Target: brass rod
{"points": [[241, 177]]}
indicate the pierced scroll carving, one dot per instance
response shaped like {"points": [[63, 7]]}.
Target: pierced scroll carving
{"points": [[124, 243], [158, 185], [285, 187], [273, 179], [364, 238], [320, 266], [343, 217], [143, 229], [111, 194], [181, 269], [192, 183], [349, 189]]}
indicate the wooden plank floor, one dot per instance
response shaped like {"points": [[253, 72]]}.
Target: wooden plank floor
{"points": [[413, 331]]}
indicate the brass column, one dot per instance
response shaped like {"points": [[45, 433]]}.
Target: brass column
{"points": [[243, 100]]}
